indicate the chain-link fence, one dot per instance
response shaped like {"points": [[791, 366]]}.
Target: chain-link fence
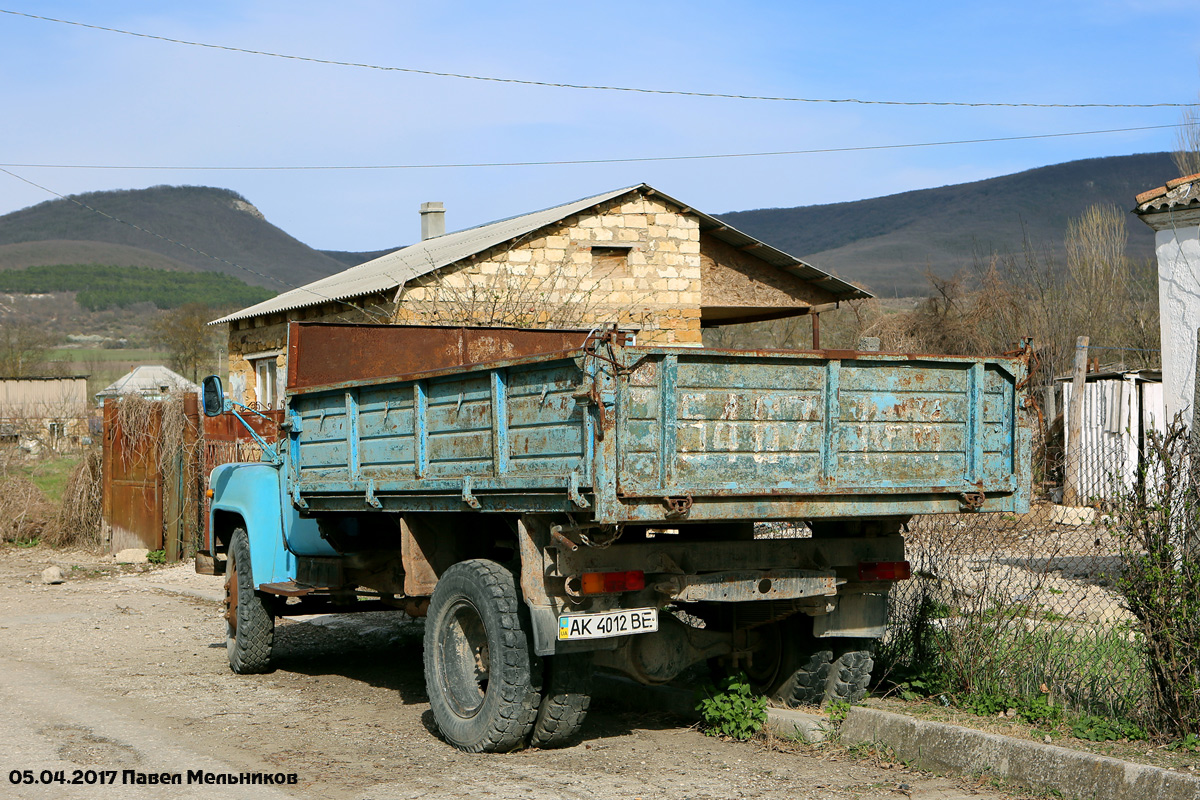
{"points": [[1030, 605]]}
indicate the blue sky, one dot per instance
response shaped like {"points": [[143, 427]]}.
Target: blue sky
{"points": [[79, 96]]}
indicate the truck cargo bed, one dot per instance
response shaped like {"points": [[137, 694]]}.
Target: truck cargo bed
{"points": [[614, 433]]}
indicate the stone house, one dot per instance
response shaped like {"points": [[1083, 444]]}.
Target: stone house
{"points": [[1173, 211], [632, 256]]}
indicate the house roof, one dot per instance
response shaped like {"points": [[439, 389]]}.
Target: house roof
{"points": [[1179, 193], [148, 379], [394, 269]]}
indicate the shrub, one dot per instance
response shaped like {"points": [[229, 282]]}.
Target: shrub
{"points": [[25, 513], [1157, 524], [78, 522]]}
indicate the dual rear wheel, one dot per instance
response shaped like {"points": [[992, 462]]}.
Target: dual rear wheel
{"points": [[794, 668], [489, 692]]}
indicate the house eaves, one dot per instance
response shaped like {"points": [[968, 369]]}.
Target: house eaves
{"points": [[388, 272], [1175, 195]]}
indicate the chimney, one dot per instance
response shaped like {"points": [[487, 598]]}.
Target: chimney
{"points": [[433, 220]]}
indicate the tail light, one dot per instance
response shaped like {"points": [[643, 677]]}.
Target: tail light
{"points": [[884, 571], [612, 582]]}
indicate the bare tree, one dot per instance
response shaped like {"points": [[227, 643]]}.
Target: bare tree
{"points": [[22, 350], [1187, 143], [516, 295], [1099, 291], [185, 333]]}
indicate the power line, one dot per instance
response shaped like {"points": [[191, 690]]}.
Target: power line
{"points": [[551, 84], [146, 231], [581, 161]]}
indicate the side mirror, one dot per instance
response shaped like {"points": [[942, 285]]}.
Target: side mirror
{"points": [[214, 397]]}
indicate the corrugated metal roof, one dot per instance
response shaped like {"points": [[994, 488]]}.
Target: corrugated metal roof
{"points": [[394, 269], [148, 378]]}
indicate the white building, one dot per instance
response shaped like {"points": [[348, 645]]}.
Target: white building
{"points": [[1173, 211], [151, 382]]}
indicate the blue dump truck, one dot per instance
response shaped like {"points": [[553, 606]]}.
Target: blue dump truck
{"points": [[553, 502]]}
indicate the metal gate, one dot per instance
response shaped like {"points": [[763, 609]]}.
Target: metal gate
{"points": [[150, 494], [155, 498]]}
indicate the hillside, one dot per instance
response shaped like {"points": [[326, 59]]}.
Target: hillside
{"points": [[218, 222], [888, 242]]}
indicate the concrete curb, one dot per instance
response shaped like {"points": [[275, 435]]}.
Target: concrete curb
{"points": [[939, 747]]}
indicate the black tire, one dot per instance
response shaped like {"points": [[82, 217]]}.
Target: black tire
{"points": [[249, 623], [850, 669], [479, 670], [794, 668], [804, 683], [789, 668], [567, 681]]}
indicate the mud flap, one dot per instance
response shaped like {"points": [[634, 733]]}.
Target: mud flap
{"points": [[861, 612]]}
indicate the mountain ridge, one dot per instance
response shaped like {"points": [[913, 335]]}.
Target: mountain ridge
{"points": [[219, 229], [884, 243]]}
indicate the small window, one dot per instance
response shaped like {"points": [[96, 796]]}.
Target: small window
{"points": [[265, 372], [56, 430], [610, 262]]}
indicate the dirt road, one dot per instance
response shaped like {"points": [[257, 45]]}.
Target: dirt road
{"points": [[109, 671]]}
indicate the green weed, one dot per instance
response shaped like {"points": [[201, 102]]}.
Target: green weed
{"points": [[733, 710], [1103, 729]]}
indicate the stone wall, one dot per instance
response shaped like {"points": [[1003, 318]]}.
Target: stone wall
{"points": [[635, 262]]}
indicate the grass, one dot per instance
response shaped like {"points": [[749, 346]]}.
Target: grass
{"points": [[84, 355], [49, 475], [1090, 669]]}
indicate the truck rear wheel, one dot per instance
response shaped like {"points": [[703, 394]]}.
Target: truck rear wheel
{"points": [[850, 669], [794, 668], [249, 623], [479, 671], [789, 668], [567, 681]]}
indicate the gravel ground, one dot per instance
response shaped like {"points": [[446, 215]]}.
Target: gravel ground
{"points": [[124, 668]]}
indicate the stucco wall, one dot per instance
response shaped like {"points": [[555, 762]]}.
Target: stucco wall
{"points": [[1177, 247]]}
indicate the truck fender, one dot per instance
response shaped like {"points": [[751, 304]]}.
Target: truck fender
{"points": [[252, 492]]}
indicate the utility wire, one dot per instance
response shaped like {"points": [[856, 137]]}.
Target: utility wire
{"points": [[551, 84], [569, 162], [136, 227]]}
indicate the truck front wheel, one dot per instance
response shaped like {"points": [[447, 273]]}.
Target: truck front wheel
{"points": [[249, 623], [479, 671]]}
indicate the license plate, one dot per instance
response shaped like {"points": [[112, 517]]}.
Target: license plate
{"points": [[622, 622]]}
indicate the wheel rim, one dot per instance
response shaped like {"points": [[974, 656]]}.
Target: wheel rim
{"points": [[763, 670], [231, 595], [465, 659]]}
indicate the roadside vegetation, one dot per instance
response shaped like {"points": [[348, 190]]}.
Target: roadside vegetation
{"points": [[52, 499]]}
